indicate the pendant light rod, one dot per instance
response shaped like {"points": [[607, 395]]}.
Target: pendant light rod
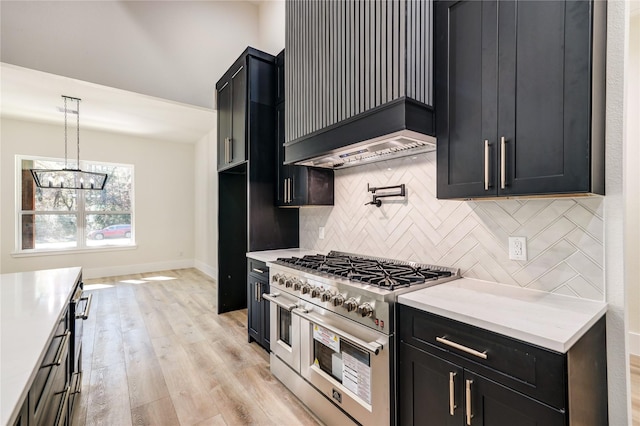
{"points": [[69, 178]]}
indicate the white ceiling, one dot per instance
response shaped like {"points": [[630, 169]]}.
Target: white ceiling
{"points": [[145, 68], [31, 95]]}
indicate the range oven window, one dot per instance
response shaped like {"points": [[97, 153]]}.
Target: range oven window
{"points": [[343, 361], [284, 326]]}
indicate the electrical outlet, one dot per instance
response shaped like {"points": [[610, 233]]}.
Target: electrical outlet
{"points": [[518, 248], [321, 232]]}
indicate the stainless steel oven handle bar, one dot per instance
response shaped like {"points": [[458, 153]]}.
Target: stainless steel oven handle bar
{"points": [[84, 315], [273, 297], [372, 347]]}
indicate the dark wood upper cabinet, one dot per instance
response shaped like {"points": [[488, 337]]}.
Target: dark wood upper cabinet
{"points": [[297, 186], [241, 91], [519, 97]]}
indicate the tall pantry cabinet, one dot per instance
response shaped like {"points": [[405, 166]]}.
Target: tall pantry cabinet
{"points": [[248, 219]]}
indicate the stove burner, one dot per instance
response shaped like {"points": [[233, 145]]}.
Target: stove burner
{"points": [[380, 273]]}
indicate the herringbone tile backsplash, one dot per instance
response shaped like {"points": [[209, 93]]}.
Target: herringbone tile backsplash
{"points": [[564, 235]]}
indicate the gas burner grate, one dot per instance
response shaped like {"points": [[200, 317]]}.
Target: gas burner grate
{"points": [[373, 271]]}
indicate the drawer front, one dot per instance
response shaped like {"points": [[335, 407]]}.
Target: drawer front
{"points": [[534, 371], [258, 268], [55, 359]]}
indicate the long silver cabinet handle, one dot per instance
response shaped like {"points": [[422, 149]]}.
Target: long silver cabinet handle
{"points": [[503, 162], [468, 400], [486, 165], [61, 417], [452, 393], [260, 271], [274, 298], [230, 150], [85, 314], [291, 188], [462, 348], [372, 347], [61, 348], [284, 190]]}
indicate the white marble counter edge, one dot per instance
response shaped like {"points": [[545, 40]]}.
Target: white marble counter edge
{"points": [[516, 333], [23, 394]]}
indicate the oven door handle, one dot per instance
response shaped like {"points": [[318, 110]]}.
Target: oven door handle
{"points": [[273, 297], [372, 347]]}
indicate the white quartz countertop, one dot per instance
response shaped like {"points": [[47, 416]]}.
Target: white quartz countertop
{"points": [[548, 320], [30, 305], [272, 255]]}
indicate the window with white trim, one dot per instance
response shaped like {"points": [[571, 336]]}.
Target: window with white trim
{"points": [[58, 219]]}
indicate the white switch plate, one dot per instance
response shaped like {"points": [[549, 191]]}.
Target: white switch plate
{"points": [[518, 248], [321, 232]]}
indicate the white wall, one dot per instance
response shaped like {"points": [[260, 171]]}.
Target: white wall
{"points": [[271, 30], [206, 205], [164, 199], [617, 359], [632, 191]]}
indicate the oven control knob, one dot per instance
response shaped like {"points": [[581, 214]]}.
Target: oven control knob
{"points": [[316, 292], [306, 288], [289, 283], [281, 279], [297, 285], [275, 278], [326, 296], [351, 305], [365, 310], [337, 300]]}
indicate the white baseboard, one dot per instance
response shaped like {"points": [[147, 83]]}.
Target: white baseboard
{"points": [[111, 271], [634, 343], [208, 270]]}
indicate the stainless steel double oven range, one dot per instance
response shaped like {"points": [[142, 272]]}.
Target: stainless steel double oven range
{"points": [[332, 329]]}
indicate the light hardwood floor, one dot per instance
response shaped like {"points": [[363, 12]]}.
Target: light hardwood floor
{"points": [[156, 353], [635, 389]]}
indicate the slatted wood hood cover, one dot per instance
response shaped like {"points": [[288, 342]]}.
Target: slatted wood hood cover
{"points": [[358, 81]]}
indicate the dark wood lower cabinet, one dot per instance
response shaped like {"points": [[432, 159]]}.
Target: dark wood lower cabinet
{"points": [[443, 386], [258, 307], [434, 392]]}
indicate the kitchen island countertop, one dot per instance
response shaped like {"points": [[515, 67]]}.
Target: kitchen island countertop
{"points": [[272, 255], [30, 305], [548, 320]]}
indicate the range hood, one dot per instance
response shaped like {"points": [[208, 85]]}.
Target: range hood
{"points": [[365, 95], [394, 145], [399, 128]]}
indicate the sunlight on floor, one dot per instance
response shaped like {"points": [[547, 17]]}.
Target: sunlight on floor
{"points": [[133, 281], [159, 278], [96, 286]]}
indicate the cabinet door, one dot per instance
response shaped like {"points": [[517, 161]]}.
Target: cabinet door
{"points": [[492, 404], [266, 312], [224, 124], [429, 389], [545, 95], [254, 314], [466, 98], [238, 116]]}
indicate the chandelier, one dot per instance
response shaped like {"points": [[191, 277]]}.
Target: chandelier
{"points": [[69, 178]]}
